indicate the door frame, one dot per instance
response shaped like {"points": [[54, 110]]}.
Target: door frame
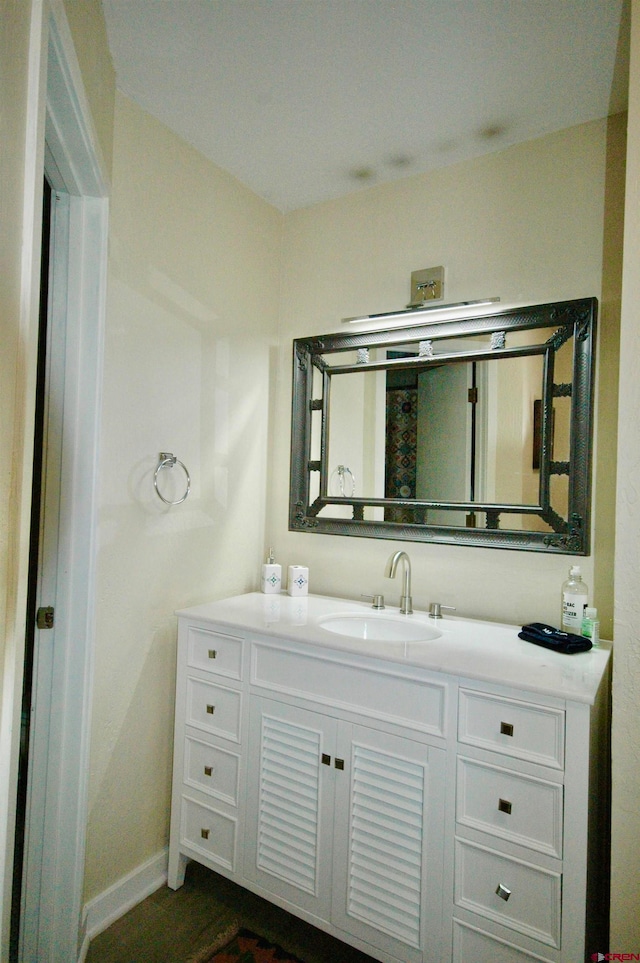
{"points": [[68, 145]]}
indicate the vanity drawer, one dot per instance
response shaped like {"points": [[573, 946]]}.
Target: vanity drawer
{"points": [[214, 708], [209, 831], [215, 652], [522, 809], [520, 729], [510, 892], [211, 769], [471, 944]]}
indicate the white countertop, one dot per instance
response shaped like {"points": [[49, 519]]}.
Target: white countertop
{"points": [[488, 651]]}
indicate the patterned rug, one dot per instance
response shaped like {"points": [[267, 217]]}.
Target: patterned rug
{"points": [[248, 947]]}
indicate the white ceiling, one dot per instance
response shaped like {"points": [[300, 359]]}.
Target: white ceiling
{"points": [[305, 100]]}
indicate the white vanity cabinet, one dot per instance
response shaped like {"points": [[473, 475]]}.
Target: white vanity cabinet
{"points": [[530, 853], [209, 741], [345, 823], [413, 811], [509, 826]]}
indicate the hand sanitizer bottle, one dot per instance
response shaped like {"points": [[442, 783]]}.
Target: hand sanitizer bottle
{"points": [[271, 581], [575, 598], [591, 625]]}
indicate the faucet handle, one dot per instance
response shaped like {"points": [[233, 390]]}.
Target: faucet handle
{"points": [[435, 609], [376, 600]]}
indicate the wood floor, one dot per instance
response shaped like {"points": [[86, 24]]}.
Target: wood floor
{"points": [[172, 927]]}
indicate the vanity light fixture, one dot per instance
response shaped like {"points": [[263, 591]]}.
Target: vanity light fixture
{"points": [[415, 313]]}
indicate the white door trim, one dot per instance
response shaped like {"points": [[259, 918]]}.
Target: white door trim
{"points": [[52, 909], [44, 642], [72, 141]]}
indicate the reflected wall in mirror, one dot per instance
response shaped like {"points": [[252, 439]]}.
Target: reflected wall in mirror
{"points": [[474, 431]]}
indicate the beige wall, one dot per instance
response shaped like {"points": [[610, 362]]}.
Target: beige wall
{"points": [[608, 361], [190, 334], [625, 871], [525, 224]]}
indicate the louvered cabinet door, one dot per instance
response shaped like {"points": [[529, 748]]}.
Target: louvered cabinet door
{"points": [[290, 804], [388, 843]]}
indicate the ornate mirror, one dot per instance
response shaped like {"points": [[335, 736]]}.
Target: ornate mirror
{"points": [[474, 431]]}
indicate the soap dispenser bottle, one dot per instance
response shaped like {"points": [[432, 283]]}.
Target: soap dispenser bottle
{"points": [[575, 598], [271, 581]]}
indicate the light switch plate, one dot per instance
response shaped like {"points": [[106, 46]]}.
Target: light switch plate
{"points": [[433, 278]]}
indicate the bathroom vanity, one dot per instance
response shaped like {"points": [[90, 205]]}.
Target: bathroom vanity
{"points": [[425, 790]]}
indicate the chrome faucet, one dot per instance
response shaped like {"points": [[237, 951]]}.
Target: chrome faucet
{"points": [[406, 602]]}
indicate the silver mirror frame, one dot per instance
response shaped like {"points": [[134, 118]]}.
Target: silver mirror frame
{"points": [[570, 535]]}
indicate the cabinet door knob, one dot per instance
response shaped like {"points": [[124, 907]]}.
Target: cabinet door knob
{"points": [[326, 759], [208, 770], [213, 654], [503, 892], [204, 833], [504, 806], [506, 729], [339, 763], [211, 709]]}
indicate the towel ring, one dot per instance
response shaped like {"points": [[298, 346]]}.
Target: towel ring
{"points": [[342, 482], [168, 460]]}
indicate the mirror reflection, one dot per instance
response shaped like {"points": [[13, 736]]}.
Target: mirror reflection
{"points": [[441, 429]]}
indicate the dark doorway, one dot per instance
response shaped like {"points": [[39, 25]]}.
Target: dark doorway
{"points": [[34, 557]]}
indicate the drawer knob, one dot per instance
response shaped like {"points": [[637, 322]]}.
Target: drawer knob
{"points": [[213, 653], [503, 892], [208, 770], [204, 833], [211, 709], [504, 806], [506, 729]]}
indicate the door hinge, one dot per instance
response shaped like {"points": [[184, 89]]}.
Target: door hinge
{"points": [[472, 396], [45, 617]]}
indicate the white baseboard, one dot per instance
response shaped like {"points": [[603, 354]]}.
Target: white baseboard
{"points": [[118, 899]]}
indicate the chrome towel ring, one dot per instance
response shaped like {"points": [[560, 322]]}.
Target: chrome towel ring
{"points": [[342, 482], [169, 460]]}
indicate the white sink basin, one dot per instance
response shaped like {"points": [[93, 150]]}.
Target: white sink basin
{"points": [[380, 628]]}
